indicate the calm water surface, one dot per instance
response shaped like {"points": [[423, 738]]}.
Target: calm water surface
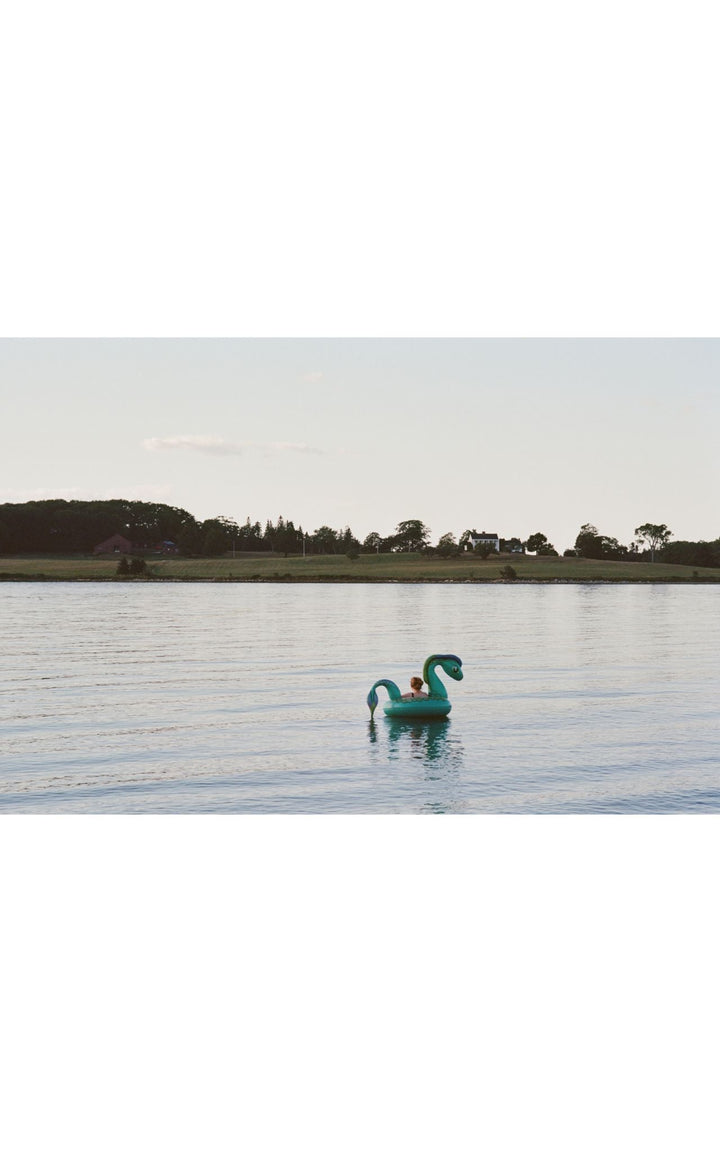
{"points": [[149, 698]]}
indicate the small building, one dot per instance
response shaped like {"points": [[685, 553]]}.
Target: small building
{"points": [[485, 538], [114, 544], [119, 545]]}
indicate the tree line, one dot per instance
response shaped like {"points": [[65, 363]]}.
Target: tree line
{"points": [[78, 526], [67, 526], [651, 542]]}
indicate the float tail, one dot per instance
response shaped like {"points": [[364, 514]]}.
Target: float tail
{"points": [[392, 690]]}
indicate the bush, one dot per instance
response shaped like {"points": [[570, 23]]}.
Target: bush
{"points": [[352, 553], [123, 568], [138, 567], [508, 572], [447, 546]]}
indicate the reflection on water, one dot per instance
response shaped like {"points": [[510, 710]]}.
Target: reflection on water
{"points": [[426, 740], [438, 750], [423, 739]]}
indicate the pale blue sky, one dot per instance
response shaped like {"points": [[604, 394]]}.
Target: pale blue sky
{"points": [[512, 436]]}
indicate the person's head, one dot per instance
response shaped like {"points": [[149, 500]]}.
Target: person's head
{"points": [[416, 683]]}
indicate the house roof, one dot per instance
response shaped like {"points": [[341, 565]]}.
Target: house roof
{"points": [[116, 537]]}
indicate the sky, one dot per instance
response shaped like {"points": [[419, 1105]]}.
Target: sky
{"points": [[512, 436]]}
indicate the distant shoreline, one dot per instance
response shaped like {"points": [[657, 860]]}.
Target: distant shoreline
{"points": [[40, 578], [383, 568]]}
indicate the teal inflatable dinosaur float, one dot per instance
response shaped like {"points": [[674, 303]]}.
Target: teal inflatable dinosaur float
{"points": [[436, 703]]}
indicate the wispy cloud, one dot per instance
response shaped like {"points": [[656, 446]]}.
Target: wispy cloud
{"points": [[216, 446], [213, 445]]}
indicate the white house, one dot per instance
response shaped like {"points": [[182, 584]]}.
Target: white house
{"points": [[485, 538]]}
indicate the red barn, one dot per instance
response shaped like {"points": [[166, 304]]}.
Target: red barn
{"points": [[120, 545], [116, 543]]}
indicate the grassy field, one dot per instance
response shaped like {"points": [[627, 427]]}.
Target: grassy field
{"points": [[405, 567]]}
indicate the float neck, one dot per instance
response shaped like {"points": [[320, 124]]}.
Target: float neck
{"points": [[433, 681]]}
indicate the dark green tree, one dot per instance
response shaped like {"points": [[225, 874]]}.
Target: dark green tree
{"points": [[447, 546], [703, 553], [372, 542], [190, 540], [536, 541], [251, 536], [231, 529], [348, 542], [654, 536], [612, 550], [325, 540], [214, 542], [540, 545], [411, 536], [591, 545], [285, 537], [588, 543]]}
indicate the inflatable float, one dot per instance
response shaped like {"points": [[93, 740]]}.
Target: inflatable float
{"points": [[434, 705]]}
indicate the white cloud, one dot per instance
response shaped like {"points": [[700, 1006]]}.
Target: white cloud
{"points": [[216, 446], [213, 445]]}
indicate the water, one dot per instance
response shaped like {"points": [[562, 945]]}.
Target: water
{"points": [[151, 698]]}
